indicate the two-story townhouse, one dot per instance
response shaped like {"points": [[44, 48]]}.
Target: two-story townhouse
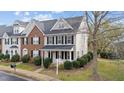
{"points": [[63, 39], [32, 40], [66, 39], [11, 37]]}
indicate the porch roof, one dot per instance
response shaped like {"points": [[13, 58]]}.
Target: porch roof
{"points": [[14, 46], [58, 47]]}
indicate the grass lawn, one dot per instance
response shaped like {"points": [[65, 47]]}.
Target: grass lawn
{"points": [[107, 69], [5, 63], [27, 66]]}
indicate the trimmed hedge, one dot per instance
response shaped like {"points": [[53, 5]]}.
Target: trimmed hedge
{"points": [[15, 58], [37, 61], [7, 57], [47, 62], [106, 55], [80, 62], [68, 65], [1, 56], [25, 58], [76, 64], [91, 55]]}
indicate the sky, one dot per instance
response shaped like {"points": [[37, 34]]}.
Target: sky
{"points": [[8, 17]]}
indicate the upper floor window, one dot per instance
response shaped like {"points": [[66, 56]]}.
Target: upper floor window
{"points": [[59, 39], [70, 39], [50, 40], [14, 40], [24, 41], [35, 40], [7, 41]]}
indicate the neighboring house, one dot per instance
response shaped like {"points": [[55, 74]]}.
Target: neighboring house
{"points": [[63, 39]]}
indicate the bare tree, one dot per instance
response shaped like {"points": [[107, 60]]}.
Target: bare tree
{"points": [[96, 21]]}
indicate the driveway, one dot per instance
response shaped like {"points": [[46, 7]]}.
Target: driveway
{"points": [[8, 77]]}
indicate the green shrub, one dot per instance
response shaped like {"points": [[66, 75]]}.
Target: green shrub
{"points": [[91, 54], [15, 58], [1, 56], [7, 57], [88, 57], [107, 55], [68, 65], [76, 64], [83, 62], [85, 57], [25, 58], [47, 62], [37, 61]]}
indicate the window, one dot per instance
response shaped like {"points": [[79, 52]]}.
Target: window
{"points": [[69, 39], [59, 39], [35, 40], [50, 40], [14, 40], [16, 52], [7, 41], [12, 52], [24, 41], [61, 25], [35, 53], [7, 51]]}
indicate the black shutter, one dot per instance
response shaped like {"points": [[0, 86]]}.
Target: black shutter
{"points": [[65, 39], [39, 40], [11, 40], [72, 40], [5, 41], [53, 40], [39, 53], [62, 39], [17, 41], [26, 40], [47, 40], [31, 40], [56, 40], [31, 53], [8, 41], [0, 41]]}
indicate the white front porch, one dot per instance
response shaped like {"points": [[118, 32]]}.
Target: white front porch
{"points": [[60, 56]]}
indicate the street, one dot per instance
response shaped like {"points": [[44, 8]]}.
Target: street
{"points": [[6, 77]]}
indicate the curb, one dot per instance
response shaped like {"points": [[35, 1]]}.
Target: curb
{"points": [[28, 74]]}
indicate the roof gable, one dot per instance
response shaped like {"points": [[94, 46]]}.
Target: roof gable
{"points": [[5, 35], [61, 24], [30, 27]]}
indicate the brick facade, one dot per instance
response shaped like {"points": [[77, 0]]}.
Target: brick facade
{"points": [[35, 32]]}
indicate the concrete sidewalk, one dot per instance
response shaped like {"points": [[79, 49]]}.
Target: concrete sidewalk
{"points": [[28, 74]]}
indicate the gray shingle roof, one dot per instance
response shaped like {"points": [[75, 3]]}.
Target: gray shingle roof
{"points": [[60, 47], [74, 22], [7, 29], [45, 26]]}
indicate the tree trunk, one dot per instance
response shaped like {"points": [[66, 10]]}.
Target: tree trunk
{"points": [[95, 75]]}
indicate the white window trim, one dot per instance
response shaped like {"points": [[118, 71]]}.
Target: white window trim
{"points": [[35, 53], [35, 40]]}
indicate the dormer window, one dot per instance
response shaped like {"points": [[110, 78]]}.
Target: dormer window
{"points": [[61, 26]]}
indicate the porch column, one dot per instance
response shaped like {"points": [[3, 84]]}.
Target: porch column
{"points": [[70, 55]]}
